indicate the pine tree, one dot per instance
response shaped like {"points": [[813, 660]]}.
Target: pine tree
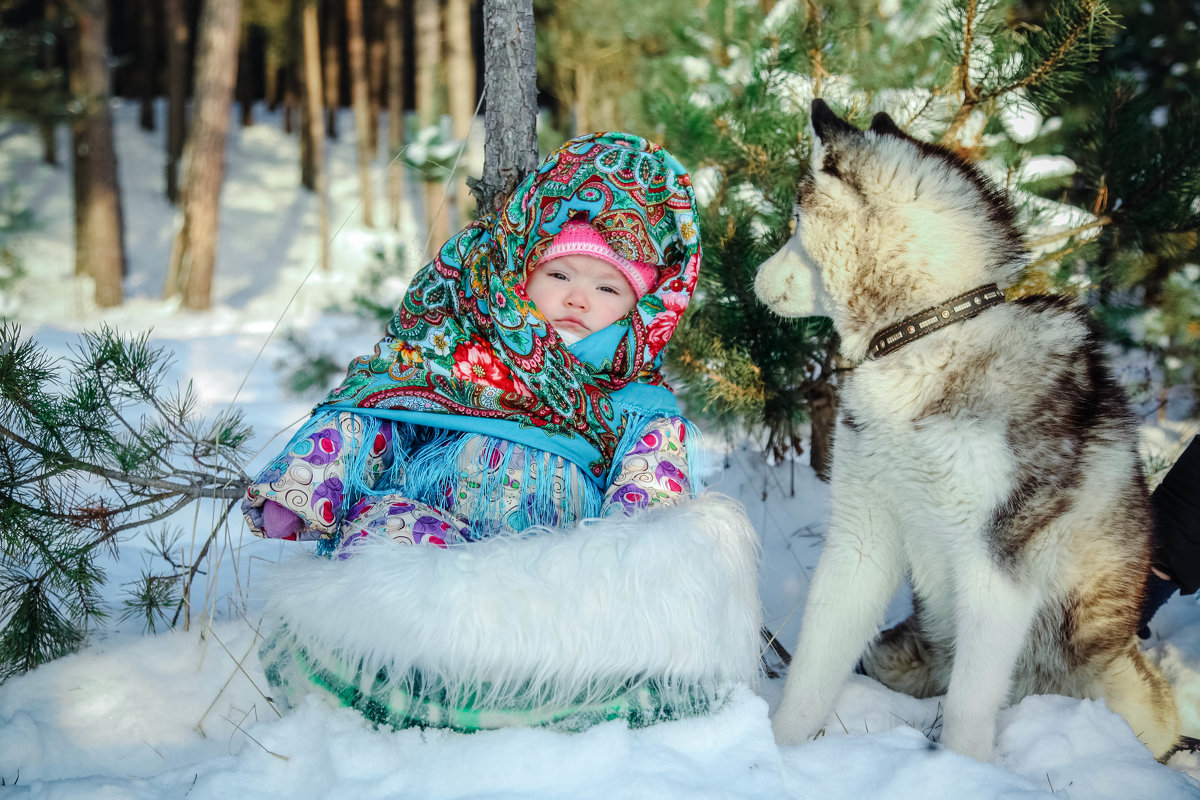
{"points": [[89, 452], [1134, 133], [964, 73], [33, 86]]}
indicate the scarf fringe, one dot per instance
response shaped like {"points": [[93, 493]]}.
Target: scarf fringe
{"points": [[426, 464]]}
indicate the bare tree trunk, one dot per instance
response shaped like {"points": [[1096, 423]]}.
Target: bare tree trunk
{"points": [[308, 171], [460, 68], [148, 66], [510, 94], [291, 99], [583, 96], [79, 154], [98, 234], [333, 65], [177, 54], [312, 92], [429, 51], [245, 89], [193, 257], [427, 21], [362, 111], [395, 103], [46, 128], [271, 77], [460, 86], [376, 68]]}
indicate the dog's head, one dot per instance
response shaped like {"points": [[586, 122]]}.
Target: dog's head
{"points": [[886, 226]]}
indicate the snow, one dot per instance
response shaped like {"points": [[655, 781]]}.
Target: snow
{"points": [[184, 713]]}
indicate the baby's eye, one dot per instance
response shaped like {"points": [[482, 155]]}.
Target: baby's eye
{"points": [[609, 289], [557, 275]]}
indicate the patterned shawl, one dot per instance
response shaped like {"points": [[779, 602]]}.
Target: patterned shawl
{"points": [[468, 351]]}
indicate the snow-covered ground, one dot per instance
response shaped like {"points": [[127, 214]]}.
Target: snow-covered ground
{"points": [[184, 713]]}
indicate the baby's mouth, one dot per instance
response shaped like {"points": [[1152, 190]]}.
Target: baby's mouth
{"points": [[571, 322]]}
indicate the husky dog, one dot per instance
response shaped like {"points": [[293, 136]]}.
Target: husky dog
{"points": [[983, 448]]}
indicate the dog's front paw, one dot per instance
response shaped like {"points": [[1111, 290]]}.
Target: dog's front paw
{"points": [[976, 744], [793, 727]]}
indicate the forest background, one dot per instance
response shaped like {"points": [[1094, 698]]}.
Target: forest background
{"points": [[1084, 111]]}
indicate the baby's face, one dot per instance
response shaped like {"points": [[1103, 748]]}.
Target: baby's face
{"points": [[580, 295]]}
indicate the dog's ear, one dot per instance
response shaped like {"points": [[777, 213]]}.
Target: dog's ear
{"points": [[882, 124], [826, 124]]}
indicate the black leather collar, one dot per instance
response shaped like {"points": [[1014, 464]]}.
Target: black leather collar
{"points": [[956, 309]]}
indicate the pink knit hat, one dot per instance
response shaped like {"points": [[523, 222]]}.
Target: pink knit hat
{"points": [[580, 238]]}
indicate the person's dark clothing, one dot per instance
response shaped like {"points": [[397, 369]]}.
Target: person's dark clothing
{"points": [[1176, 508]]}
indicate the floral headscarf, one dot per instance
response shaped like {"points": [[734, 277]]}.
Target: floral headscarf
{"points": [[467, 350]]}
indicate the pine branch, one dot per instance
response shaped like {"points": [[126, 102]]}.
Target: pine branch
{"points": [[59, 434], [1051, 238], [1051, 63]]}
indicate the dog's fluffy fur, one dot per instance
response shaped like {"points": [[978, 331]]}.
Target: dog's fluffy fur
{"points": [[669, 598], [993, 461]]}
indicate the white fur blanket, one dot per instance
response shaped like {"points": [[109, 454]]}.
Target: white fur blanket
{"points": [[667, 599]]}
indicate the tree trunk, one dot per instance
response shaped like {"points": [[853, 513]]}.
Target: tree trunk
{"points": [[46, 128], [333, 65], [193, 257], [245, 85], [460, 90], [395, 103], [429, 51], [177, 54], [291, 99], [312, 92], [271, 77], [148, 62], [79, 153], [362, 110], [584, 72], [99, 236], [427, 22], [308, 172], [376, 68], [510, 94], [460, 69]]}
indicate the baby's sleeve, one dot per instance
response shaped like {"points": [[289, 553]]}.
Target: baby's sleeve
{"points": [[653, 472]]}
